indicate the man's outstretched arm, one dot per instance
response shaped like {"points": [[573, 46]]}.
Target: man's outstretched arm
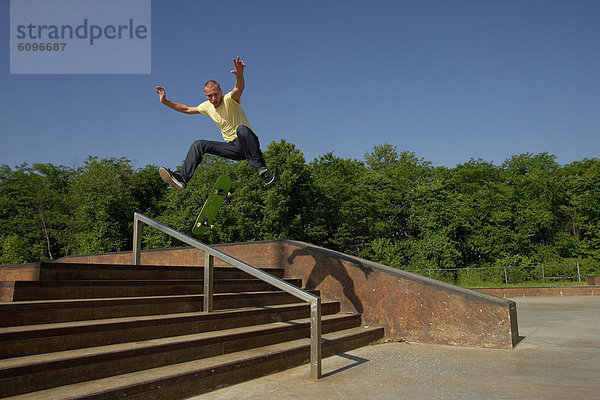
{"points": [[182, 108], [238, 70]]}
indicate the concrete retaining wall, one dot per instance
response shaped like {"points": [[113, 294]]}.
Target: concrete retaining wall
{"points": [[410, 307], [17, 272]]}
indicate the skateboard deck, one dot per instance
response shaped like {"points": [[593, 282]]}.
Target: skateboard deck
{"points": [[211, 207]]}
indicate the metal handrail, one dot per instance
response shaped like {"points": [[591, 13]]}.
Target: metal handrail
{"points": [[209, 255]]}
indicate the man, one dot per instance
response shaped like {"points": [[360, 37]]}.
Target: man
{"points": [[241, 143]]}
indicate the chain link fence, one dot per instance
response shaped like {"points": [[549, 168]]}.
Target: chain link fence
{"points": [[510, 275]]}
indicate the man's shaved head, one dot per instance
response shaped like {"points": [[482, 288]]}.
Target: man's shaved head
{"points": [[212, 84]]}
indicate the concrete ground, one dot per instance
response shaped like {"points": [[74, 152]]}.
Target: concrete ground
{"points": [[557, 358]]}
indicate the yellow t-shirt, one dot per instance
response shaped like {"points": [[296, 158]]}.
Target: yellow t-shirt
{"points": [[228, 116]]}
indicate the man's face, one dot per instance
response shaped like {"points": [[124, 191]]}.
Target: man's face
{"points": [[214, 95]]}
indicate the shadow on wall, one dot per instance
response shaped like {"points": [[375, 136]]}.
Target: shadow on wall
{"points": [[331, 267]]}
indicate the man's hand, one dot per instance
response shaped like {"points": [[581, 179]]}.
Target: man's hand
{"points": [[238, 70], [182, 108], [161, 94], [238, 67]]}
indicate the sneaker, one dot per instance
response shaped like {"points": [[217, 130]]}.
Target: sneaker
{"points": [[266, 176], [172, 178]]}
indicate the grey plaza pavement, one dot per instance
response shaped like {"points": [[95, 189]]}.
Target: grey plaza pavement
{"points": [[558, 357]]}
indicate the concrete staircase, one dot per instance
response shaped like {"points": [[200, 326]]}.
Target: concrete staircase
{"points": [[96, 331]]}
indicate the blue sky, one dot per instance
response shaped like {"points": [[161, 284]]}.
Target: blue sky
{"points": [[448, 80]]}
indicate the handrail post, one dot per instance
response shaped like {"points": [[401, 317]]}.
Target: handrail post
{"points": [[209, 261], [137, 239], [315, 338]]}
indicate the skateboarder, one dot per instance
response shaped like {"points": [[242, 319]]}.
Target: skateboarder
{"points": [[241, 143]]}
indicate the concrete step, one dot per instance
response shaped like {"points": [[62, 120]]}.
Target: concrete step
{"points": [[177, 381], [111, 331], [45, 338], [75, 271], [31, 373], [55, 311], [87, 289]]}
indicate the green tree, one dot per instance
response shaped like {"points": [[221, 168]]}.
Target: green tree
{"points": [[399, 177], [580, 210], [148, 190], [440, 221], [484, 207], [14, 250], [290, 199], [102, 205], [32, 211], [538, 192], [347, 210]]}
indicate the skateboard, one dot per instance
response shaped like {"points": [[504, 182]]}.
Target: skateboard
{"points": [[215, 200]]}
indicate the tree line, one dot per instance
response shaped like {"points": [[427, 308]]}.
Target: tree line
{"points": [[390, 207]]}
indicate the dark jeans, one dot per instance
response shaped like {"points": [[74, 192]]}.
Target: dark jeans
{"points": [[245, 147]]}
